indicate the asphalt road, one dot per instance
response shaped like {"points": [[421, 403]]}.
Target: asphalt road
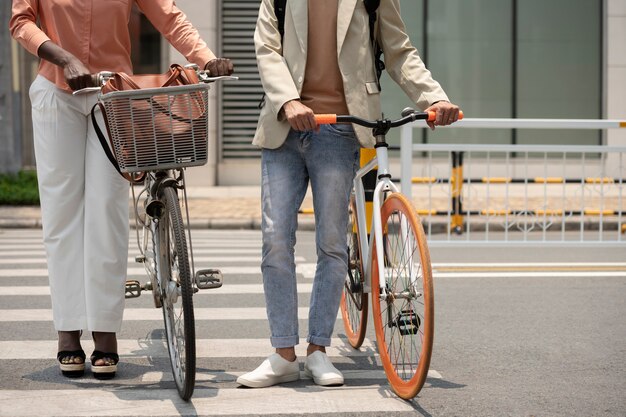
{"points": [[524, 331]]}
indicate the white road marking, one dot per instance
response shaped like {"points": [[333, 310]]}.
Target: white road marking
{"points": [[215, 402], [139, 314], [217, 260], [225, 289], [205, 348]]}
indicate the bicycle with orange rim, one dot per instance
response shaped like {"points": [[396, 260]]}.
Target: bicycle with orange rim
{"points": [[392, 263]]}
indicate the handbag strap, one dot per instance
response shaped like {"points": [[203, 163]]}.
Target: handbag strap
{"points": [[128, 80], [107, 150]]}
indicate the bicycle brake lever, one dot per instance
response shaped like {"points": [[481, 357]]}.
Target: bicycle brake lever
{"points": [[407, 112], [85, 90], [205, 78]]}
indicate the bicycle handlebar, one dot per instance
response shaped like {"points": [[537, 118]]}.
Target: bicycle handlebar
{"points": [[100, 78], [324, 119]]}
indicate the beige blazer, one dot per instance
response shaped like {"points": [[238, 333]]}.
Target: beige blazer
{"points": [[281, 66]]}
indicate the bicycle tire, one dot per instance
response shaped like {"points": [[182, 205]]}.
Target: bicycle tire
{"points": [[354, 304], [404, 319], [176, 294]]}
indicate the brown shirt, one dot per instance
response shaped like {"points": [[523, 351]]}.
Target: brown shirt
{"points": [[322, 90]]}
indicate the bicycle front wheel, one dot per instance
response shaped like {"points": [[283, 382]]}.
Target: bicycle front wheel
{"points": [[354, 299], [176, 294], [402, 298]]}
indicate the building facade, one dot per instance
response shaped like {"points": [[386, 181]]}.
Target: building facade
{"points": [[495, 58]]}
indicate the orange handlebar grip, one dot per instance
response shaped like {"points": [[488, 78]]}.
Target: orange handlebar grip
{"points": [[433, 115], [325, 119]]}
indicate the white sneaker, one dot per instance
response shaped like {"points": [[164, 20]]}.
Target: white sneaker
{"points": [[319, 367], [274, 370]]}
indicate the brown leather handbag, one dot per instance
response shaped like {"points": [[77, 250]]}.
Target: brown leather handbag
{"points": [[176, 75]]}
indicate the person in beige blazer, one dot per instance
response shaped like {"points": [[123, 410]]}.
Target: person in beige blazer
{"points": [[323, 64]]}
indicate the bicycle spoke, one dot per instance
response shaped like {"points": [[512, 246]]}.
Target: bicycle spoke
{"points": [[402, 308], [354, 307]]}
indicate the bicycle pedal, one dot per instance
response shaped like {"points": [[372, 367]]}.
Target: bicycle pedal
{"points": [[207, 279], [133, 289], [407, 322], [140, 259]]}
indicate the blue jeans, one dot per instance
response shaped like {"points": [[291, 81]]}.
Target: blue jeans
{"points": [[328, 159]]}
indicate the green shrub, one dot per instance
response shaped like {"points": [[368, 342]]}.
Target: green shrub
{"points": [[19, 189]]}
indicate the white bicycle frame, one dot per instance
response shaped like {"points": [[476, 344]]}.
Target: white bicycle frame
{"points": [[383, 184]]}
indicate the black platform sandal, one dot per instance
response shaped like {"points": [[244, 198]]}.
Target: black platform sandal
{"points": [[106, 371], [71, 370]]}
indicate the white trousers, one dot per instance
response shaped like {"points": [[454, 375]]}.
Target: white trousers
{"points": [[84, 207]]}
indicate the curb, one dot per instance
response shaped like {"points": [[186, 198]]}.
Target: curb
{"points": [[10, 223], [252, 223]]}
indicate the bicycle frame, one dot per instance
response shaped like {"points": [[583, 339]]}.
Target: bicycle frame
{"points": [[383, 184]]}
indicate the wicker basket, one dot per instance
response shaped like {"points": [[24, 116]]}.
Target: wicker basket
{"points": [[158, 128]]}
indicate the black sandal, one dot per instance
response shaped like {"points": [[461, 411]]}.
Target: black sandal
{"points": [[106, 371], [71, 370]]}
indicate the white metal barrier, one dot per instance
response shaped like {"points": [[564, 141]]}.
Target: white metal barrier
{"points": [[518, 194]]}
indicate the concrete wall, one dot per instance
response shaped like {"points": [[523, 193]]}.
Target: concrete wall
{"points": [[10, 138], [204, 15]]}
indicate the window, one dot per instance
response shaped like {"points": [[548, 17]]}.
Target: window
{"points": [[145, 43], [525, 59]]}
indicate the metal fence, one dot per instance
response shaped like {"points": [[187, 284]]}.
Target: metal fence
{"points": [[518, 194]]}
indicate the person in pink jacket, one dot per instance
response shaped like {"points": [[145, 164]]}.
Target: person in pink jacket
{"points": [[84, 201]]}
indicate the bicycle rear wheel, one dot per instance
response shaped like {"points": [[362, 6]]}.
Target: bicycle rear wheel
{"points": [[404, 316], [354, 304], [176, 293]]}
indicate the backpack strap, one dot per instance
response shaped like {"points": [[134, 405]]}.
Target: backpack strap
{"points": [[372, 6], [279, 9]]}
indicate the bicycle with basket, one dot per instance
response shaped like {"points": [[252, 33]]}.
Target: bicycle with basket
{"points": [[154, 135]]}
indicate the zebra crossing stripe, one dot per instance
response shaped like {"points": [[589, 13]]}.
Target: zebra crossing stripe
{"points": [[133, 271], [138, 402], [205, 348], [37, 251], [218, 377], [226, 289], [143, 314], [214, 260], [308, 270], [348, 374]]}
